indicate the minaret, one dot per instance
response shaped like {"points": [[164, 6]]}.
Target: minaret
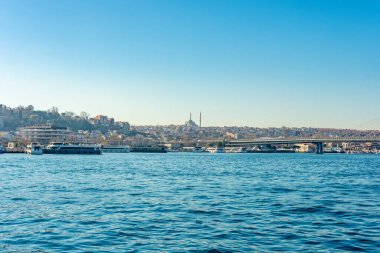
{"points": [[190, 118], [200, 119]]}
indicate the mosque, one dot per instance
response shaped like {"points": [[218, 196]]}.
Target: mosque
{"points": [[191, 124]]}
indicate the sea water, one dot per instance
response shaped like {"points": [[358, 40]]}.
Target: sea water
{"points": [[185, 202]]}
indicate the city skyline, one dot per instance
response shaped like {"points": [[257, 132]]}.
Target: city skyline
{"points": [[25, 110], [246, 63]]}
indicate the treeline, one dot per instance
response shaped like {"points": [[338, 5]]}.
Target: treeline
{"points": [[13, 118]]}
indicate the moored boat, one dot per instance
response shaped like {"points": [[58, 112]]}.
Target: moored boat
{"points": [[149, 149], [69, 149], [173, 150], [217, 149], [34, 149], [198, 149], [116, 149]]}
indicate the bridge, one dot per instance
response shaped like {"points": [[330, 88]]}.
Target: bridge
{"points": [[302, 140]]}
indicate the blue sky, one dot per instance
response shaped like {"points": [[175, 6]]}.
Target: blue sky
{"points": [[255, 63]]}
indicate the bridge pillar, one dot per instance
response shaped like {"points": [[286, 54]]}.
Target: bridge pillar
{"points": [[319, 148]]}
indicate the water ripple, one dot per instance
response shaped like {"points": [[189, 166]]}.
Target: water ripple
{"points": [[190, 203]]}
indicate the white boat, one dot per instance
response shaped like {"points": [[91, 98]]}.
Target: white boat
{"points": [[172, 150], [116, 149], [218, 149], [198, 149], [34, 149]]}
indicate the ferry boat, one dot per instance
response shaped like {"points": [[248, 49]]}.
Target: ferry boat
{"points": [[1, 149], [198, 149], [172, 150], [34, 149], [218, 149], [67, 148], [148, 149], [116, 149]]}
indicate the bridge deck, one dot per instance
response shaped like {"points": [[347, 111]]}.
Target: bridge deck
{"points": [[299, 140]]}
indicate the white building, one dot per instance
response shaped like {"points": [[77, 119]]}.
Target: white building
{"points": [[44, 133]]}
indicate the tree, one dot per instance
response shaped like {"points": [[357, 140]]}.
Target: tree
{"points": [[30, 108], [69, 114], [84, 115], [54, 110]]}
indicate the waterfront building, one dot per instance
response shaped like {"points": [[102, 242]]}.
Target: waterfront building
{"points": [[44, 133]]}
